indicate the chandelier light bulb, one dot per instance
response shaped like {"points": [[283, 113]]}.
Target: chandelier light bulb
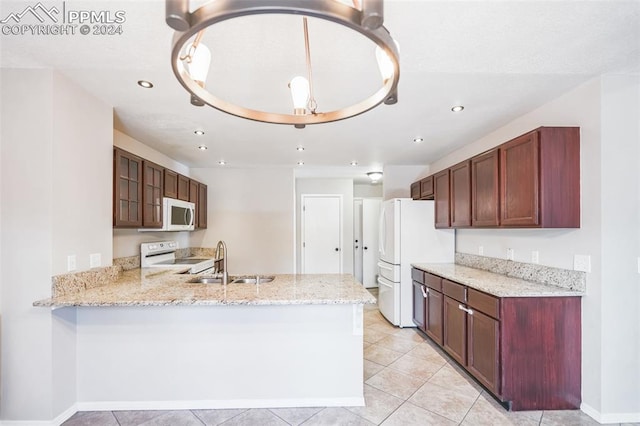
{"points": [[385, 64], [299, 94], [200, 62]]}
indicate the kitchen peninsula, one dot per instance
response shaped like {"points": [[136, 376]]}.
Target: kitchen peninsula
{"points": [[148, 339]]}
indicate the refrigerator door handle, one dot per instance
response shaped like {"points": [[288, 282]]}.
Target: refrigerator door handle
{"points": [[382, 282], [384, 266], [382, 232]]}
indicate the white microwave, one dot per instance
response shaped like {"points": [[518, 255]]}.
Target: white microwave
{"points": [[178, 215]]}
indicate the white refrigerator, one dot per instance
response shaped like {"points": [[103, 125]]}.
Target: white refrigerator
{"points": [[407, 235]]}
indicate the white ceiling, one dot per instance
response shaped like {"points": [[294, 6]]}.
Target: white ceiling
{"points": [[499, 59]]}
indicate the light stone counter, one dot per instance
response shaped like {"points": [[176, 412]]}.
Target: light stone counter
{"points": [[495, 284], [160, 287]]}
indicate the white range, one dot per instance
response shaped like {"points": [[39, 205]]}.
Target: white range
{"points": [[163, 255]]}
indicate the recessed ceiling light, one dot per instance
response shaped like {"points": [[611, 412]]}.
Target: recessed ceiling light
{"points": [[354, 163], [222, 162], [203, 148], [146, 84], [418, 140], [300, 163], [457, 108], [199, 132], [300, 148]]}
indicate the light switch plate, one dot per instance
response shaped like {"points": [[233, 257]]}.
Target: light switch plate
{"points": [[582, 262], [510, 254], [535, 256], [71, 262]]}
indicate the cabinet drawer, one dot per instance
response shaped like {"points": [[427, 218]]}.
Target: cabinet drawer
{"points": [[454, 290], [433, 281], [483, 302], [417, 275]]}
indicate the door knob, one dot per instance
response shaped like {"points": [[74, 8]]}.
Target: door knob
{"points": [[366, 248], [356, 247], [337, 249]]}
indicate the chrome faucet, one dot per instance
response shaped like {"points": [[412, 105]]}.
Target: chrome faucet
{"points": [[225, 274]]}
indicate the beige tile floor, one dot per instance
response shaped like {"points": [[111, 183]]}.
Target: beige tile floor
{"points": [[407, 381]]}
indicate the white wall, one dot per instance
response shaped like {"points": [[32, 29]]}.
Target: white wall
{"points": [[126, 242], [55, 194], [252, 211], [343, 187], [607, 112], [398, 179], [367, 190]]}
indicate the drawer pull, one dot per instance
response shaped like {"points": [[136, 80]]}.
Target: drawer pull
{"points": [[425, 291], [462, 308]]}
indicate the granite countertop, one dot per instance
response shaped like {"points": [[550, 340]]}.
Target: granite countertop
{"points": [[495, 284], [153, 287]]}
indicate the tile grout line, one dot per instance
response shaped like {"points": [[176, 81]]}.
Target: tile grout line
{"points": [[198, 417]]}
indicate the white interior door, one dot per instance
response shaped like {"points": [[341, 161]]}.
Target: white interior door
{"points": [[370, 233], [357, 239], [321, 234]]}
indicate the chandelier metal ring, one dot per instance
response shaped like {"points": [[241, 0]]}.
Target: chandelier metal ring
{"points": [[222, 10]]}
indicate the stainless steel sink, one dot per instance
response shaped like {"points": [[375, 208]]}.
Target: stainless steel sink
{"points": [[205, 280], [253, 280]]}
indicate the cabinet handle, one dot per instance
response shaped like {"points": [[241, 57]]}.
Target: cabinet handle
{"points": [[425, 291], [462, 308]]}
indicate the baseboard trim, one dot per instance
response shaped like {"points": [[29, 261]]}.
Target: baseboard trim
{"points": [[61, 418], [609, 418], [218, 404]]}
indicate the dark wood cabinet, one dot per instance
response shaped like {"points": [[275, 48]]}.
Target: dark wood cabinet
{"points": [[152, 184], [540, 179], [415, 190], [423, 189], [170, 183], [454, 321], [127, 189], [419, 308], [183, 188], [485, 201], [433, 315], [483, 346], [426, 188], [441, 195], [460, 194], [524, 350], [532, 181], [201, 206], [139, 186]]}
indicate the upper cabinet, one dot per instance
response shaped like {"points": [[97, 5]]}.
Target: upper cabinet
{"points": [[422, 189], [532, 181], [460, 176], [139, 186], [152, 195], [127, 189], [485, 201], [441, 193], [540, 179], [170, 184]]}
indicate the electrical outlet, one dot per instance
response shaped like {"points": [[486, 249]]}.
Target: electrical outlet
{"points": [[71, 262], [95, 260], [510, 254], [480, 250], [582, 262], [535, 256]]}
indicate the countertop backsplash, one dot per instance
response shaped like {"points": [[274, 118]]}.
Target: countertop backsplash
{"points": [[572, 280]]}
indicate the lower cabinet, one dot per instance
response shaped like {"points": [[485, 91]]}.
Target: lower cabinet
{"points": [[524, 350]]}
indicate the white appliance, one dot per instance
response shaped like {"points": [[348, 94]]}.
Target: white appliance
{"points": [[178, 215], [163, 255], [407, 235]]}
